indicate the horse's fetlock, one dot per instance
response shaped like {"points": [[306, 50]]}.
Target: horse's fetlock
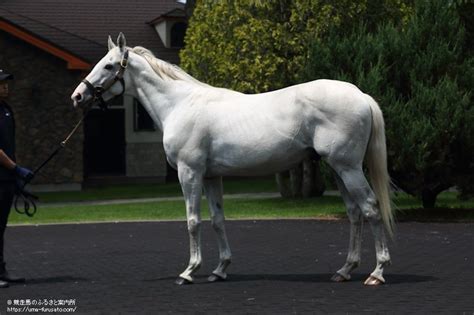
{"points": [[354, 263], [226, 260], [384, 259], [195, 264]]}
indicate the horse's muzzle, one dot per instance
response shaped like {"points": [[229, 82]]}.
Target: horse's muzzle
{"points": [[76, 99], [80, 97]]}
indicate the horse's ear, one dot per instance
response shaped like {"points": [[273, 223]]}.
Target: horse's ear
{"points": [[121, 41], [111, 43]]}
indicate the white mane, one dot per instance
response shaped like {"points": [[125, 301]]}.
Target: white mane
{"points": [[165, 70]]}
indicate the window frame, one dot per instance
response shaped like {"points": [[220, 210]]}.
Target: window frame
{"points": [[136, 127]]}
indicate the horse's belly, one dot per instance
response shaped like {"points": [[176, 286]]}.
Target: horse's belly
{"points": [[254, 161]]}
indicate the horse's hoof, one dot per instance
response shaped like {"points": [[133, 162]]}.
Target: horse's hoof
{"points": [[215, 278], [338, 278], [372, 281], [182, 281]]}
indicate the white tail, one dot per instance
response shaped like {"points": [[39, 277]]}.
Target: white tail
{"points": [[376, 159]]}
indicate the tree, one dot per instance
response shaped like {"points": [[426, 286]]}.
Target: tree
{"points": [[422, 76]]}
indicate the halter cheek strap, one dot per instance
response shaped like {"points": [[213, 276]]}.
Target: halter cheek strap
{"points": [[98, 91]]}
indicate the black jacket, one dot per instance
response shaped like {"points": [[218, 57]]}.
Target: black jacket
{"points": [[7, 139]]}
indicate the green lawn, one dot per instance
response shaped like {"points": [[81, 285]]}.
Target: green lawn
{"points": [[231, 186], [328, 206]]}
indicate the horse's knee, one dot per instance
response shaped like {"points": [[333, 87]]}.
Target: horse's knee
{"points": [[217, 222], [194, 225]]}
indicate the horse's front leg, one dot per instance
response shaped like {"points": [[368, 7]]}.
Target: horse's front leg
{"points": [[213, 189], [191, 184]]}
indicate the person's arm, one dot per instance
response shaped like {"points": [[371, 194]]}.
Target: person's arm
{"points": [[6, 162]]}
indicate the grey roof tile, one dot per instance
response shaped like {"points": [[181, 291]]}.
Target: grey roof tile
{"points": [[81, 27]]}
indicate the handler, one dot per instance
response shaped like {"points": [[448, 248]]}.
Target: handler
{"points": [[10, 172]]}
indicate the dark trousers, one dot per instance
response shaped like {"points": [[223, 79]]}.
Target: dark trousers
{"points": [[7, 192]]}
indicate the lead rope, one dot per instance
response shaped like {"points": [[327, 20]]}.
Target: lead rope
{"points": [[29, 200]]}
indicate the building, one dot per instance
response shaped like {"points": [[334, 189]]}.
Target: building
{"points": [[50, 45]]}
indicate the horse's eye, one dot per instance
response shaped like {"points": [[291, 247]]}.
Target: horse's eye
{"points": [[109, 67]]}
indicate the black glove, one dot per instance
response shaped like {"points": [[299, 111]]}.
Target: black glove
{"points": [[23, 173]]}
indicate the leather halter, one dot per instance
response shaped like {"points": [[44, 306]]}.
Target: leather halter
{"points": [[98, 91]]}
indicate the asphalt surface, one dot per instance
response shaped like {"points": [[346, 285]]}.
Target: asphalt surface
{"points": [[279, 267]]}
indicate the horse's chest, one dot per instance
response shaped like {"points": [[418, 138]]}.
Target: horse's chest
{"points": [[184, 148]]}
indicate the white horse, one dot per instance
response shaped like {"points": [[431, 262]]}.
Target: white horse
{"points": [[211, 132]]}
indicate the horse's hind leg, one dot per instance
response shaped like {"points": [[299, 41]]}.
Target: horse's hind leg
{"points": [[191, 184], [361, 193], [355, 240], [213, 189]]}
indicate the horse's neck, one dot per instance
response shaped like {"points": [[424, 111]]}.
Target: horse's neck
{"points": [[153, 93]]}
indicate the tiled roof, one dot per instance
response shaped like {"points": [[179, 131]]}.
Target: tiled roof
{"points": [[81, 27], [176, 13]]}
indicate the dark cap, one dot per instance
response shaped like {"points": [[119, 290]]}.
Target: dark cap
{"points": [[5, 76]]}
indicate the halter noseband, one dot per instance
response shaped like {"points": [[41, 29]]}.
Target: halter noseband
{"points": [[97, 91]]}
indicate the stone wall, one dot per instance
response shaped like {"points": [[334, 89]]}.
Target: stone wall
{"points": [[146, 160], [40, 98]]}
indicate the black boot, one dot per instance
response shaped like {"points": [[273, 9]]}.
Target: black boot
{"points": [[6, 276]]}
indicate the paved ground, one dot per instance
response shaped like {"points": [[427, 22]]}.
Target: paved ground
{"points": [[279, 267]]}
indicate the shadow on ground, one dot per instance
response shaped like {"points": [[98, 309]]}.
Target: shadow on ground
{"points": [[315, 278]]}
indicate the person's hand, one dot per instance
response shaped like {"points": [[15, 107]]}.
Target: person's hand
{"points": [[23, 173]]}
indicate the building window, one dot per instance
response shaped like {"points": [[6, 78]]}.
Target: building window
{"points": [[141, 119], [178, 30]]}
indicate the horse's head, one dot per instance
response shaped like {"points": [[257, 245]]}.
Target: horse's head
{"points": [[105, 81]]}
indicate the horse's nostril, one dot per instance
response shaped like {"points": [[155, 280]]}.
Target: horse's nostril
{"points": [[78, 97]]}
